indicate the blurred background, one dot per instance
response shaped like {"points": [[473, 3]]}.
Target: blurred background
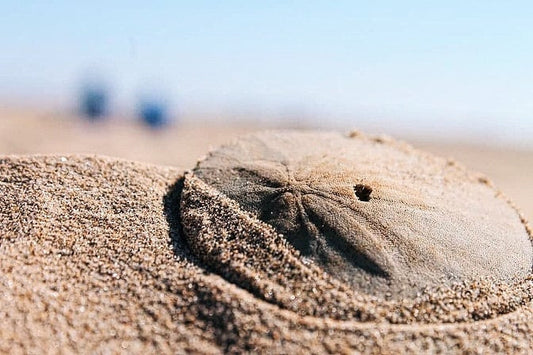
{"points": [[162, 82]]}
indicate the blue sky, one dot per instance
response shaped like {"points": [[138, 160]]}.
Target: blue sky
{"points": [[464, 63]]}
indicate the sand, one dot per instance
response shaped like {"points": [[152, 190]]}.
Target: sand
{"points": [[102, 255], [86, 262], [117, 275]]}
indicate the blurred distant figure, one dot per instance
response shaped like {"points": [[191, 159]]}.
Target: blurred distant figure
{"points": [[154, 113], [94, 102]]}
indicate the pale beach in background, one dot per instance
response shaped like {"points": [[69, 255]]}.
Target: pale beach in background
{"points": [[181, 145]]}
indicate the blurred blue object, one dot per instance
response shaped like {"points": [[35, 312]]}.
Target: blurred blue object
{"points": [[154, 114], [94, 102]]}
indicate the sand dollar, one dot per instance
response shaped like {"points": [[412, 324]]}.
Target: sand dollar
{"points": [[378, 215]]}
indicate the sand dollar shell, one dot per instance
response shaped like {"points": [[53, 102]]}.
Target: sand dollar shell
{"points": [[252, 255], [378, 216]]}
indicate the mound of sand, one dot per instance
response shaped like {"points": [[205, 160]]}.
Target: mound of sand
{"points": [[86, 259], [98, 254]]}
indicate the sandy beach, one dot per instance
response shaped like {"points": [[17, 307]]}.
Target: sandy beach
{"points": [[37, 132], [112, 240]]}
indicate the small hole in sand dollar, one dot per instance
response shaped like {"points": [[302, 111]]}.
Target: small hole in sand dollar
{"points": [[362, 192]]}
